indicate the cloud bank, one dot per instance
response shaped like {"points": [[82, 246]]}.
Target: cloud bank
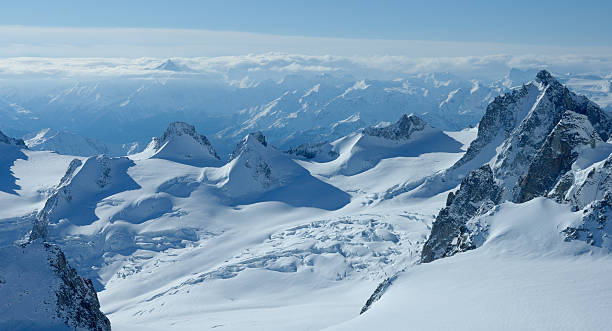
{"points": [[256, 67], [18, 41]]}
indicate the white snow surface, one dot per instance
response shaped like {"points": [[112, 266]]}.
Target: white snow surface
{"points": [[66, 143], [237, 247], [524, 277]]}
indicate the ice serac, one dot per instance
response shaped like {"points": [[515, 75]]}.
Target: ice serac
{"points": [[550, 137], [40, 291], [259, 172], [181, 143], [81, 188]]}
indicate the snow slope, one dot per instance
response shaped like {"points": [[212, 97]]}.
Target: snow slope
{"points": [[66, 143], [410, 136], [525, 276]]}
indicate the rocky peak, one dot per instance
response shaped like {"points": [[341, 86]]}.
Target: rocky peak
{"points": [[402, 129], [532, 139], [182, 129], [253, 140], [544, 77]]}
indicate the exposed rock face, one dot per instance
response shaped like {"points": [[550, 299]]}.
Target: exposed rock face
{"points": [[477, 194], [595, 228], [41, 291], [11, 141], [530, 140], [555, 158], [378, 293], [402, 129], [554, 100], [251, 153], [322, 151], [248, 143]]}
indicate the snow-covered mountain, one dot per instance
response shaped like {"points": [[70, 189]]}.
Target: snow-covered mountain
{"points": [[66, 143], [258, 172], [509, 216], [181, 143], [538, 145], [410, 136]]}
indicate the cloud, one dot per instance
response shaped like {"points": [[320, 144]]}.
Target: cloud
{"points": [[277, 65], [19, 41]]}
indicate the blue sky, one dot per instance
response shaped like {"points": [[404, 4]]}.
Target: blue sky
{"points": [[191, 28], [536, 21]]}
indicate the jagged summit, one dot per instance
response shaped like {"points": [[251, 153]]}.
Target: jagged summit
{"points": [[543, 76], [402, 129], [535, 142], [11, 141], [181, 143], [259, 137], [252, 140]]}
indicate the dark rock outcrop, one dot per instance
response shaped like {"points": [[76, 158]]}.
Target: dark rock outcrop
{"points": [[557, 155], [402, 129], [477, 194], [595, 228], [11, 141]]}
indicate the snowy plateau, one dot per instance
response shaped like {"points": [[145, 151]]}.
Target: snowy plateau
{"points": [[311, 202]]}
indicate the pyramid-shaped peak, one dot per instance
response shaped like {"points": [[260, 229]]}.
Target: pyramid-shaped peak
{"points": [[170, 65], [257, 136], [182, 143], [254, 140], [546, 78]]}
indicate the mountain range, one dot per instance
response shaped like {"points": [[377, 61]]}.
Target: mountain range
{"points": [[325, 214]]}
